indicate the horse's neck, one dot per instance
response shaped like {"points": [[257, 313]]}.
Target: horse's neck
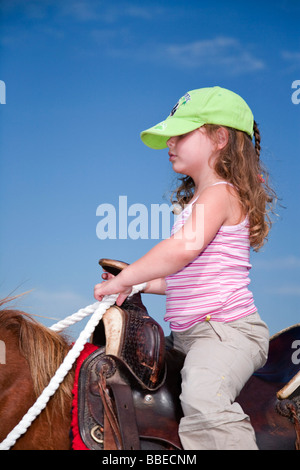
{"points": [[16, 389], [17, 395]]}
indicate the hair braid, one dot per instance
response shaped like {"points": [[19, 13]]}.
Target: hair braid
{"points": [[257, 139]]}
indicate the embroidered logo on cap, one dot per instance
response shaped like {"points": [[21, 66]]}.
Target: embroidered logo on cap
{"points": [[183, 100], [160, 126]]}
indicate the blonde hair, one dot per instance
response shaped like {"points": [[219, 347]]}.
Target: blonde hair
{"points": [[239, 163]]}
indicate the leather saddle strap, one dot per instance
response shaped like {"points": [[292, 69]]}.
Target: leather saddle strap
{"points": [[296, 421], [126, 415], [112, 435], [290, 410], [109, 439]]}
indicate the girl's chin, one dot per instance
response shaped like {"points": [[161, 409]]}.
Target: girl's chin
{"points": [[177, 169]]}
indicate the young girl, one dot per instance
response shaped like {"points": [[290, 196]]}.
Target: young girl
{"points": [[203, 267]]}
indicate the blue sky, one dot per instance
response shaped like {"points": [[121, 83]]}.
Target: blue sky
{"points": [[83, 79]]}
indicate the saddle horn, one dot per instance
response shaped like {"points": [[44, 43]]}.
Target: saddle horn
{"points": [[112, 266]]}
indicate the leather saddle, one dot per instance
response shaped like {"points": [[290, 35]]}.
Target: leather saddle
{"points": [[129, 388], [271, 397]]}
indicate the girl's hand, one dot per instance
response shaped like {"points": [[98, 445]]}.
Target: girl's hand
{"points": [[112, 285]]}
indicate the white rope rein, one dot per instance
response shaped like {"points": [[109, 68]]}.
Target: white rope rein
{"points": [[76, 317], [98, 309]]}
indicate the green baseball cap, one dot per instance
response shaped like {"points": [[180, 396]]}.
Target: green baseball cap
{"points": [[213, 105]]}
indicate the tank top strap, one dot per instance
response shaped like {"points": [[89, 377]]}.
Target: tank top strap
{"points": [[220, 182], [214, 184]]}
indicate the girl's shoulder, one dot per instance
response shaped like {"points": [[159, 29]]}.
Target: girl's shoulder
{"points": [[224, 197]]}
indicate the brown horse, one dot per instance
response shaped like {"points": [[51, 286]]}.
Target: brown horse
{"points": [[33, 353]]}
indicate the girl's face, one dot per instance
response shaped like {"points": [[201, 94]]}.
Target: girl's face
{"points": [[190, 153]]}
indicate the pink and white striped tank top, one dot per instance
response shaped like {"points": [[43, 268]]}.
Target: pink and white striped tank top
{"points": [[214, 285]]}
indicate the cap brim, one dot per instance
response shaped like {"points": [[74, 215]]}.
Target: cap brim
{"points": [[157, 136]]}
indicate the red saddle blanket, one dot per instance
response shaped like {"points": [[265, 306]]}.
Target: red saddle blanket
{"points": [[77, 443]]}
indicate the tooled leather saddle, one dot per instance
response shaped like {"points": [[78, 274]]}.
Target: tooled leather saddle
{"points": [[129, 387]]}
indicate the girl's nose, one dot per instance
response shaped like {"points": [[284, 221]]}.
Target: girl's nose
{"points": [[171, 142]]}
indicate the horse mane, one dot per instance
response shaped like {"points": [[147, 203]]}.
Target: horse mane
{"points": [[43, 349]]}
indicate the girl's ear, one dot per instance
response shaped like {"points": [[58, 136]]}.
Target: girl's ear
{"points": [[222, 137]]}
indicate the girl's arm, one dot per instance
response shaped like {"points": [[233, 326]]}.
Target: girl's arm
{"points": [[156, 286], [172, 254]]}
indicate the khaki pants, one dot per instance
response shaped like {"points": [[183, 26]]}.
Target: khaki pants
{"points": [[220, 358]]}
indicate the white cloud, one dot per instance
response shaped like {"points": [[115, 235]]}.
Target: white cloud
{"points": [[217, 52], [81, 10], [292, 59], [95, 10], [111, 14], [288, 55], [224, 54], [112, 29]]}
